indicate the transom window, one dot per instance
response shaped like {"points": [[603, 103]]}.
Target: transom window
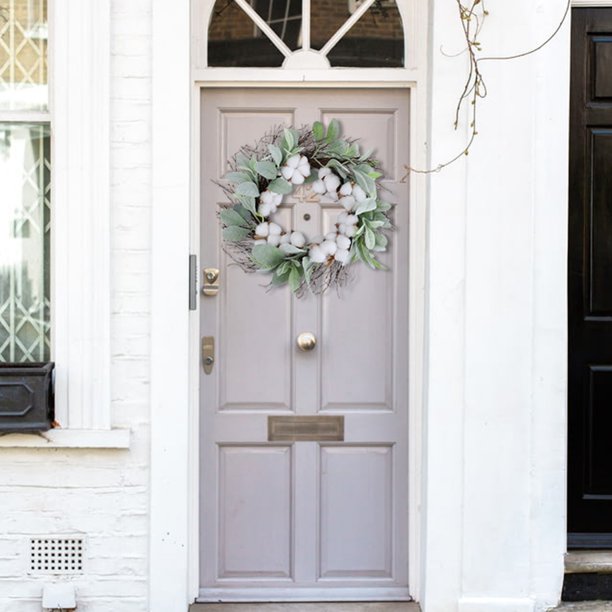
{"points": [[25, 165], [299, 33]]}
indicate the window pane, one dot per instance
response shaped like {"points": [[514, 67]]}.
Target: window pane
{"points": [[23, 55], [376, 40], [284, 17], [234, 40], [24, 243]]}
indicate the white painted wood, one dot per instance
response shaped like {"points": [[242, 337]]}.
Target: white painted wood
{"points": [[346, 26], [170, 542], [69, 438], [80, 232], [364, 376], [264, 27]]}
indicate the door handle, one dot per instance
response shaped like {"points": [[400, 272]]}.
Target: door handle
{"points": [[208, 353], [306, 341]]}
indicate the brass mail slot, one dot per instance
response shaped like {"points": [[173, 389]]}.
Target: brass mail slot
{"points": [[305, 429]]}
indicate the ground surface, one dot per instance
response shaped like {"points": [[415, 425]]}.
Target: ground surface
{"points": [[309, 607], [585, 606]]}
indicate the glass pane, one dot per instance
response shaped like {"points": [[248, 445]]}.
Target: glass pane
{"points": [[376, 40], [23, 55], [284, 17], [25, 216], [234, 40]]}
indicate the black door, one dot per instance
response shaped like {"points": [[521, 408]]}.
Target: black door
{"points": [[590, 281]]}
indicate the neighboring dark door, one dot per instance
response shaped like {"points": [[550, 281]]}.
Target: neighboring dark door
{"points": [[590, 281]]}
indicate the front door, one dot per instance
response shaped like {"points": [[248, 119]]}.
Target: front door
{"points": [[590, 281], [309, 520]]}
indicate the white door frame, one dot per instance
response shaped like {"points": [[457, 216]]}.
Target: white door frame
{"points": [[174, 575]]}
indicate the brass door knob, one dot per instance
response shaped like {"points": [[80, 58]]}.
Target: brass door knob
{"points": [[306, 341]]}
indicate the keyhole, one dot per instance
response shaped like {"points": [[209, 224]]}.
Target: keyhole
{"points": [[306, 217]]}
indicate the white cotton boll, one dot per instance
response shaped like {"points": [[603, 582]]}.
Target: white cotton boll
{"points": [[285, 239], [342, 256], [332, 182], [274, 240], [342, 217], [298, 240], [262, 229], [287, 172], [348, 202], [297, 178], [350, 231], [346, 189], [285, 247], [343, 242], [265, 210], [351, 219], [304, 166], [331, 236], [261, 241], [359, 194], [274, 229], [323, 172], [319, 187], [293, 161], [318, 239], [316, 254], [329, 247], [342, 228], [330, 196], [277, 199]]}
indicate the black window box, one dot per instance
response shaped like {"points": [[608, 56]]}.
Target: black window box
{"points": [[26, 397]]}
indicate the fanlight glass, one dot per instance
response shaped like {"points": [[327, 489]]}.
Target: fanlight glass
{"points": [[258, 33]]}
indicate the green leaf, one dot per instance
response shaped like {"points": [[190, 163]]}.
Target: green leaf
{"points": [[288, 140], [318, 130], [248, 203], [230, 217], [276, 153], [267, 169], [370, 238], [237, 177], [245, 213], [365, 206], [365, 182], [307, 265], [381, 242], [383, 206], [295, 278], [289, 249], [247, 189], [266, 256], [242, 160], [233, 233], [280, 278], [280, 185], [333, 130]]}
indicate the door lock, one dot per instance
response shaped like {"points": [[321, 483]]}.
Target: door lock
{"points": [[208, 353], [211, 281]]}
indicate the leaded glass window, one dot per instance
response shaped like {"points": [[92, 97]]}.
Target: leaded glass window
{"points": [[25, 188]]}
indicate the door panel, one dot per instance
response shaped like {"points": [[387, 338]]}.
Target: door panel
{"points": [[310, 519], [590, 281]]}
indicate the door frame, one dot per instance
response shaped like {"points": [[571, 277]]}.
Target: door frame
{"points": [[175, 360]]}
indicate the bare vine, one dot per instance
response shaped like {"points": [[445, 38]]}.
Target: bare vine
{"points": [[473, 14]]}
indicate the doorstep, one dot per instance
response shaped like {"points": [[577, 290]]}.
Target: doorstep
{"points": [[588, 562], [585, 606], [307, 607]]}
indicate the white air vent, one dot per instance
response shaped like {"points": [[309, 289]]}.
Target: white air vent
{"points": [[56, 555]]}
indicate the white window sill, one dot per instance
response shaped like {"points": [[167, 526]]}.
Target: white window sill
{"points": [[69, 438]]}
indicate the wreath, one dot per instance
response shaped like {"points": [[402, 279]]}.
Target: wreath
{"points": [[332, 167]]}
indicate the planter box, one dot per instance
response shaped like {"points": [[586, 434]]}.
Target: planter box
{"points": [[26, 397]]}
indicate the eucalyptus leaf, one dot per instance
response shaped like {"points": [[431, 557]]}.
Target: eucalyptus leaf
{"points": [[288, 140], [370, 238], [383, 206], [289, 249], [231, 217], [295, 278], [365, 206], [280, 185], [237, 177], [247, 189], [280, 278], [244, 212], [365, 182], [266, 256], [247, 202], [381, 242], [234, 233], [333, 130], [318, 130], [276, 153], [267, 169]]}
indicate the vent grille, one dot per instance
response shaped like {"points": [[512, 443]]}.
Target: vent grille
{"points": [[58, 555]]}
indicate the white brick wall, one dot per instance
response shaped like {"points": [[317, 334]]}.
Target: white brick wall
{"points": [[102, 494]]}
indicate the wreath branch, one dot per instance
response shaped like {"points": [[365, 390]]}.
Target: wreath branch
{"points": [[473, 15]]}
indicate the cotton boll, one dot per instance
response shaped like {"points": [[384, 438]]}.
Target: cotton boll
{"points": [[262, 229], [343, 242], [331, 236], [304, 166], [323, 172], [330, 196], [261, 241], [287, 172], [332, 182], [319, 187], [298, 240], [342, 256], [297, 178], [342, 217], [285, 247], [329, 247], [277, 198], [294, 161], [350, 231], [265, 210], [342, 227], [316, 255], [318, 239], [346, 189], [348, 202], [351, 219], [285, 239], [359, 194], [274, 240], [274, 229]]}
